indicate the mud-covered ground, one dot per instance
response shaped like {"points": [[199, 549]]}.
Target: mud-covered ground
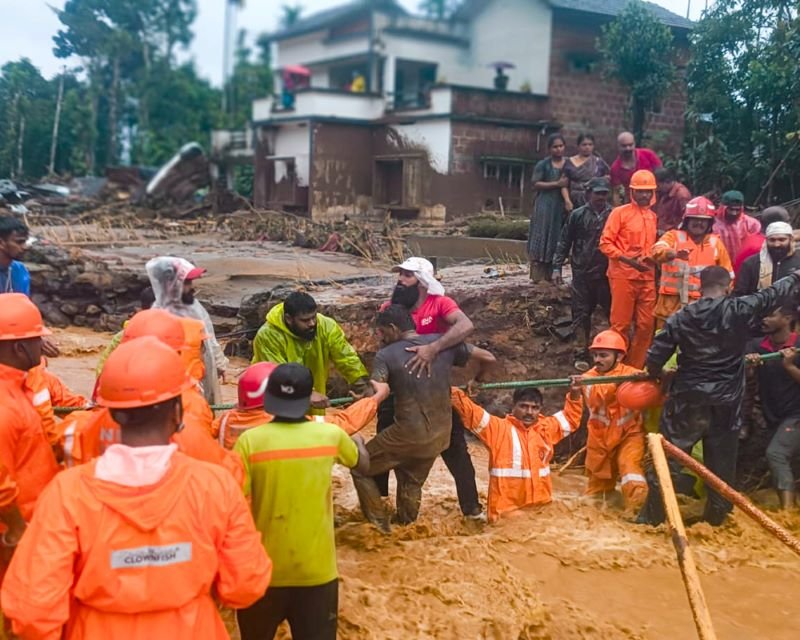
{"points": [[573, 569]]}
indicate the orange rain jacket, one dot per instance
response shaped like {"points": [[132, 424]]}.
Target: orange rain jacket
{"points": [[24, 450], [519, 456], [8, 489], [111, 561], [87, 434], [615, 440], [630, 231], [46, 391], [230, 425], [194, 332]]}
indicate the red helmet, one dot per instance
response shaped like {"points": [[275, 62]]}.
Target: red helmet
{"points": [[253, 384], [699, 207]]}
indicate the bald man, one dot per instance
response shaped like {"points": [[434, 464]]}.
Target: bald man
{"points": [[630, 160]]}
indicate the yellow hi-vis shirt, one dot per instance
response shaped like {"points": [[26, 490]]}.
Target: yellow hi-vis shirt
{"points": [[288, 476]]}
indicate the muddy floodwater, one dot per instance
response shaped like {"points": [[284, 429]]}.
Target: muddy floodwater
{"points": [[572, 569]]}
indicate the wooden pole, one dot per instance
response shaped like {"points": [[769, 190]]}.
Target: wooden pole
{"points": [[727, 492], [691, 580]]}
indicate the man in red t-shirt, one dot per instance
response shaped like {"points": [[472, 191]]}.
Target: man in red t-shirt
{"points": [[629, 161], [421, 293]]}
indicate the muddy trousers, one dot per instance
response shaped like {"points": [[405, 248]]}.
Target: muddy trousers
{"points": [[411, 475], [632, 306], [782, 450], [684, 422], [586, 295], [456, 458], [627, 464], [311, 612]]}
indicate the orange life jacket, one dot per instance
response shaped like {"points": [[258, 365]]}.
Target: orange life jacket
{"points": [[519, 456], [682, 277]]}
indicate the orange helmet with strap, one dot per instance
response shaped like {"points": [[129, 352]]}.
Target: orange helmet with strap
{"points": [[253, 384], [638, 396], [699, 207], [141, 372], [20, 319], [610, 340], [156, 323]]}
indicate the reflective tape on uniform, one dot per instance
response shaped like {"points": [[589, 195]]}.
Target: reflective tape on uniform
{"points": [[510, 473], [544, 472], [484, 421], [319, 418], [632, 477], [40, 397], [69, 439], [562, 420], [516, 450], [156, 556]]}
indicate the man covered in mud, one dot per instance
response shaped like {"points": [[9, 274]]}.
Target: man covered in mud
{"points": [[520, 447], [433, 312], [705, 396], [421, 427], [172, 280]]}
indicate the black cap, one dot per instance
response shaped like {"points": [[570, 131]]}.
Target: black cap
{"points": [[598, 184], [288, 393]]}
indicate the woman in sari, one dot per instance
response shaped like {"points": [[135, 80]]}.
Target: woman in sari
{"points": [[581, 168], [548, 209]]}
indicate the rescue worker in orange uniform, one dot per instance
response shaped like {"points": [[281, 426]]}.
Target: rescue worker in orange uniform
{"points": [[89, 433], [683, 254], [627, 239], [138, 543], [249, 412], [615, 440], [520, 447], [24, 450]]}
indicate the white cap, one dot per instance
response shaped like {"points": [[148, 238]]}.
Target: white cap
{"points": [[779, 229], [423, 270]]}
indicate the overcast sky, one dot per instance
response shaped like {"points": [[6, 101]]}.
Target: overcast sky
{"points": [[31, 24]]}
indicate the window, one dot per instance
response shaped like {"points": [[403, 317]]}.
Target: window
{"points": [[508, 174]]}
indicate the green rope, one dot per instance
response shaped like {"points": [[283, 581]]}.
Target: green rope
{"points": [[518, 384]]}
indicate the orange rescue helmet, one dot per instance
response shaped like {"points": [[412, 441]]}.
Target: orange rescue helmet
{"points": [[643, 180], [611, 340], [156, 323], [699, 207], [253, 384], [141, 372], [20, 319], [638, 396]]}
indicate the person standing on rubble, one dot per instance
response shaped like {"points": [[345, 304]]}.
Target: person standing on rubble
{"points": [[14, 276], [421, 427], [418, 290], [626, 240], [172, 280], [296, 332], [141, 542], [705, 396], [779, 389], [580, 239]]}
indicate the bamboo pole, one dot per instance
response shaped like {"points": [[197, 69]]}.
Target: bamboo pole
{"points": [[691, 580], [727, 492], [572, 459]]}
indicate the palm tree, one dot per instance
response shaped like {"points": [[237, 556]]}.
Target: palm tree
{"points": [[290, 14]]}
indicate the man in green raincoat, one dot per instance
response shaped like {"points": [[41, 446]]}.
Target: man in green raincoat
{"points": [[295, 332]]}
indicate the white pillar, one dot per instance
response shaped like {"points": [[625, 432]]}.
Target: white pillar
{"points": [[389, 66]]}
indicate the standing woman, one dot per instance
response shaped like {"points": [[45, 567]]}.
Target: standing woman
{"points": [[581, 168], [549, 183]]}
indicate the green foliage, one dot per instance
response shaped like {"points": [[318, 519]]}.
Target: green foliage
{"points": [[743, 78], [290, 14], [438, 9], [637, 51]]}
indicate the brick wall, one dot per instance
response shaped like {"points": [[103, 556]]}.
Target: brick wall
{"points": [[492, 104], [586, 101]]}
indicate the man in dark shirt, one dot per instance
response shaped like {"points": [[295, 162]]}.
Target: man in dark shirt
{"points": [[776, 260], [579, 241], [422, 415], [705, 396], [779, 388]]}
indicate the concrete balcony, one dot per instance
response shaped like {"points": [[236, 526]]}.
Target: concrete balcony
{"points": [[321, 103]]}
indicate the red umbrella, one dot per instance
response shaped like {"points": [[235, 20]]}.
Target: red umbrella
{"points": [[297, 70]]}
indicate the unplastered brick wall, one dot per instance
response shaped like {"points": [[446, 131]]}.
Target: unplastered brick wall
{"points": [[583, 100]]}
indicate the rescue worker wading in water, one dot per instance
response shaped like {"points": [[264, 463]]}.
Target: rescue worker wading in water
{"points": [[136, 543]]}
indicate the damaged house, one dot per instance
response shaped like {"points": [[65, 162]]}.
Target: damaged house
{"points": [[443, 118]]}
